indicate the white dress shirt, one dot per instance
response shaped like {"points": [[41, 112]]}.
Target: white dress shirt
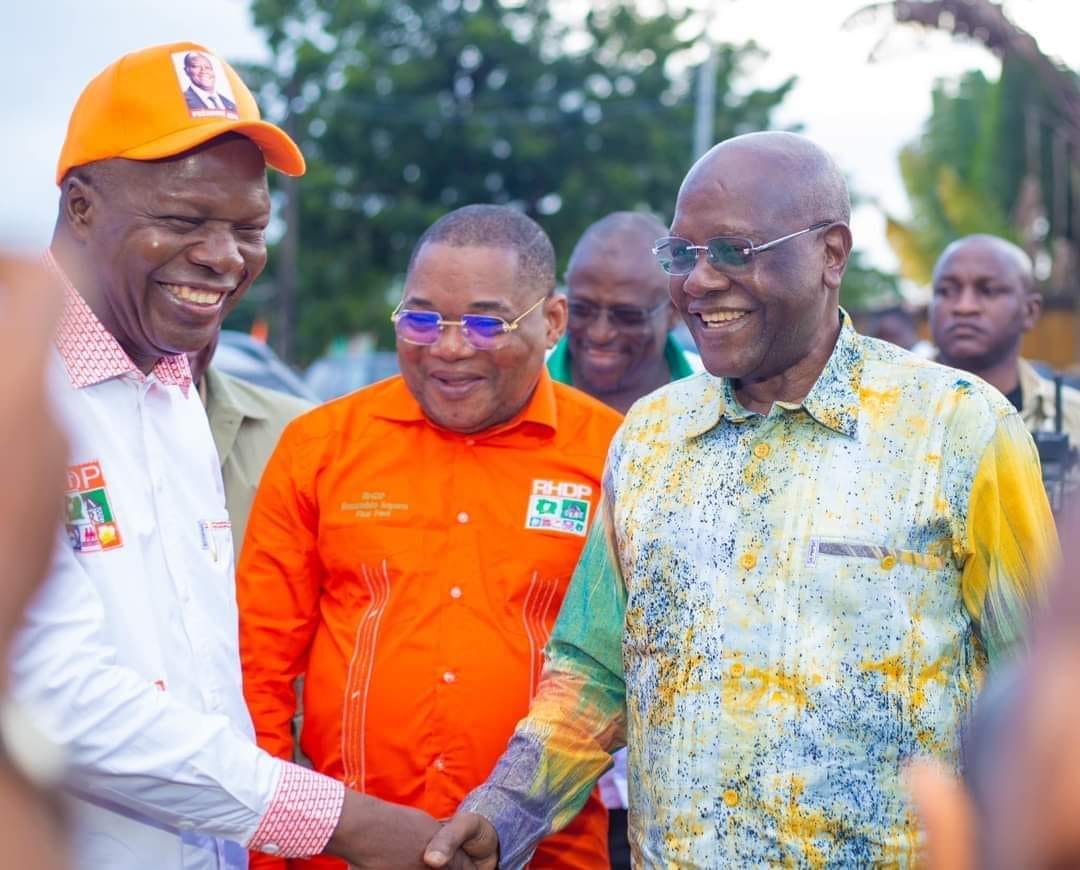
{"points": [[129, 657], [210, 100]]}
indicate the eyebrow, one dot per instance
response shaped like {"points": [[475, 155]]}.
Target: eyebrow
{"points": [[489, 305], [483, 305]]}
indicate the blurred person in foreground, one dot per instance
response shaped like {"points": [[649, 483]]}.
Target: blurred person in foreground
{"points": [[1020, 800], [807, 560], [984, 300], [129, 656], [410, 543], [246, 421], [618, 344], [30, 301]]}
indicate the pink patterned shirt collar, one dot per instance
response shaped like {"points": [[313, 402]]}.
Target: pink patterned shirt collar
{"points": [[91, 354]]}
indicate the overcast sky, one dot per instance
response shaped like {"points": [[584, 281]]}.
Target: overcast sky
{"points": [[862, 112]]}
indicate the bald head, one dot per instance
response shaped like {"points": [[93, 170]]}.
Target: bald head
{"points": [[1003, 254], [796, 181], [629, 232]]}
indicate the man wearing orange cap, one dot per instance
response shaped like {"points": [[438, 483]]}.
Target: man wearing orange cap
{"points": [[129, 656]]}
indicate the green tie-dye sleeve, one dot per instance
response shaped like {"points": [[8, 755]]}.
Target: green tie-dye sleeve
{"points": [[577, 718]]}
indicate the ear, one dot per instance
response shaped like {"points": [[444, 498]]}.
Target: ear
{"points": [[79, 205], [555, 319], [837, 253], [1033, 304]]}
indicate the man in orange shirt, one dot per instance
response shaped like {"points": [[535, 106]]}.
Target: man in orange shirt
{"points": [[410, 544]]}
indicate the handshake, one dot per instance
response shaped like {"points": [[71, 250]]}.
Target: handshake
{"points": [[376, 834]]}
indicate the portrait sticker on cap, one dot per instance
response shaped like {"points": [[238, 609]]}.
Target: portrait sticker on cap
{"points": [[205, 86]]}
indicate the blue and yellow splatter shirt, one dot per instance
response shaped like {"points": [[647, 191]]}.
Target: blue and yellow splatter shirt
{"points": [[779, 610]]}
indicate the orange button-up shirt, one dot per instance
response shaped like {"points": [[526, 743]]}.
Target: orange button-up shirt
{"points": [[414, 575]]}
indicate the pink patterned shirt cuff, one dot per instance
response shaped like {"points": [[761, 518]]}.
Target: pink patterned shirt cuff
{"points": [[303, 813]]}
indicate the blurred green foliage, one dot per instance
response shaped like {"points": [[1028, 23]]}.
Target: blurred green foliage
{"points": [[405, 110]]}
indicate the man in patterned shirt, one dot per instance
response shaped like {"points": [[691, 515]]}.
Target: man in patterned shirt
{"points": [[807, 559]]}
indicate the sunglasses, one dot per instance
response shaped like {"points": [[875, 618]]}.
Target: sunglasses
{"points": [[678, 256], [480, 331], [583, 313]]}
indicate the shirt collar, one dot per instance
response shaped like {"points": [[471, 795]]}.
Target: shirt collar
{"points": [[222, 392], [205, 94], [540, 410], [558, 361], [92, 355], [833, 401], [1036, 392]]}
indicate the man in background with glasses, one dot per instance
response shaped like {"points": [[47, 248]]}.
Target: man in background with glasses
{"points": [[619, 344], [411, 543], [806, 561]]}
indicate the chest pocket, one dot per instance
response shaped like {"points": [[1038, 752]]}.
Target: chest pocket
{"points": [[883, 599]]}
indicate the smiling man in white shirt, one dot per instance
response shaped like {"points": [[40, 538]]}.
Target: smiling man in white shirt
{"points": [[129, 656]]}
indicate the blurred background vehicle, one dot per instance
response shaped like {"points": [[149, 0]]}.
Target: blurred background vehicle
{"points": [[336, 374], [344, 368], [245, 357]]}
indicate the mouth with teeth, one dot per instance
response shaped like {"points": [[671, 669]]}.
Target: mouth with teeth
{"points": [[721, 319], [194, 295]]}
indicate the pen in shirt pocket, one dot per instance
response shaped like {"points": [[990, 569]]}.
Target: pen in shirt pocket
{"points": [[208, 543]]}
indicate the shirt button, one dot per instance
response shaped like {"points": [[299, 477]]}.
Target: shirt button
{"points": [[738, 669], [440, 764], [463, 517], [448, 677], [762, 450], [455, 592], [748, 560], [889, 562], [731, 797], [271, 848]]}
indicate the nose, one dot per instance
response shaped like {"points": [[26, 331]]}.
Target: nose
{"points": [[451, 345], [601, 330], [218, 251], [704, 279], [966, 301]]}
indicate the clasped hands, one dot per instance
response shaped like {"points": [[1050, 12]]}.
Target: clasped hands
{"points": [[375, 834]]}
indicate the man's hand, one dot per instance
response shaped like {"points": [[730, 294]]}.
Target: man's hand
{"points": [[946, 815], [374, 834], [470, 833]]}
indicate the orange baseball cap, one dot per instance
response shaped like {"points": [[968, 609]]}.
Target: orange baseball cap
{"points": [[147, 106]]}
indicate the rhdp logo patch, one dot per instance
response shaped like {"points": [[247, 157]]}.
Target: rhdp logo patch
{"points": [[559, 506], [91, 524]]}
